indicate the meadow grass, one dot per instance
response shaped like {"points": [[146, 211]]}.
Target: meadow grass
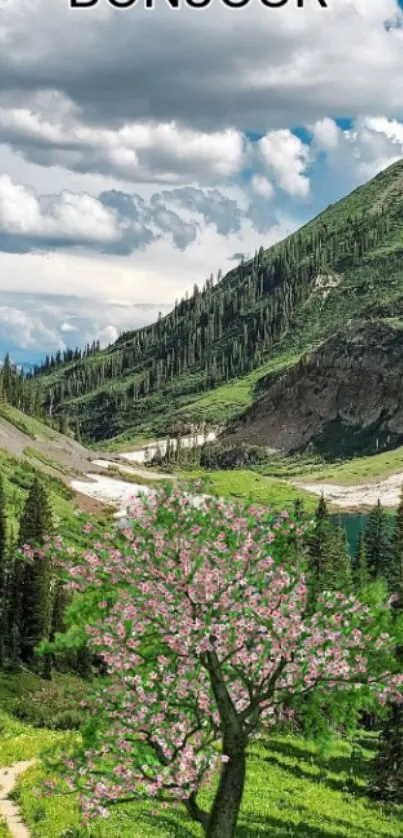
{"points": [[247, 485], [33, 453], [363, 469], [33, 427], [291, 790], [228, 401]]}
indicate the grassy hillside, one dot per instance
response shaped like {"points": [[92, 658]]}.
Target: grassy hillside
{"points": [[344, 265], [29, 448], [292, 787]]}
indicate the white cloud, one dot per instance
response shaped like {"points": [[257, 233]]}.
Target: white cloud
{"points": [[287, 158], [326, 134], [51, 130], [66, 328], [97, 104], [371, 144], [262, 186], [107, 335], [65, 216], [19, 328]]}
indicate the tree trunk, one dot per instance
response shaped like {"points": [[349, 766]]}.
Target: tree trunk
{"points": [[224, 813]]}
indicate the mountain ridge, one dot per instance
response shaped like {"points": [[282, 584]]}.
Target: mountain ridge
{"points": [[342, 266]]}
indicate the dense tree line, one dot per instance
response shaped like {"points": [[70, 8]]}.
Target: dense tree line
{"points": [[18, 391], [68, 356], [220, 332]]}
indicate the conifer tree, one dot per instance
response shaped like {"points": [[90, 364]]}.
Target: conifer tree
{"points": [[35, 618], [3, 573], [377, 544], [361, 575], [394, 568], [337, 572], [318, 548]]}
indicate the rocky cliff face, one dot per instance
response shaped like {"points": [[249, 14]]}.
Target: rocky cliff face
{"points": [[346, 397]]}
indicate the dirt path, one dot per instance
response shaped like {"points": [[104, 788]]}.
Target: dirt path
{"points": [[8, 809]]}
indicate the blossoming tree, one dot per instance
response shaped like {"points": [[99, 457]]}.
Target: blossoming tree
{"points": [[200, 614]]}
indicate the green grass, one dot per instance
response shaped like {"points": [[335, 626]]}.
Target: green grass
{"points": [[362, 469], [33, 427], [18, 475], [228, 401], [291, 790], [243, 484], [33, 453], [4, 833]]}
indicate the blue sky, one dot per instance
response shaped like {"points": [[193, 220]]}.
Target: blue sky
{"points": [[139, 152]]}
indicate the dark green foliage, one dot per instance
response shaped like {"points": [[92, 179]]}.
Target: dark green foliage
{"points": [[4, 572], [218, 456], [328, 555], [394, 568], [387, 782], [338, 571], [361, 575], [36, 523], [318, 548], [36, 520], [16, 390], [377, 543]]}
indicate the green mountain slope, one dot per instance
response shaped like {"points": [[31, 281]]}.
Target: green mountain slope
{"points": [[345, 265]]}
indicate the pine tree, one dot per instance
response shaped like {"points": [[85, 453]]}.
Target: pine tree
{"points": [[337, 571], [35, 618], [318, 548], [361, 575], [4, 572], [394, 567], [377, 544]]}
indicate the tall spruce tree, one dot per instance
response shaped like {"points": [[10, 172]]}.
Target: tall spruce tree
{"points": [[318, 549], [36, 605], [337, 572], [361, 575], [394, 567], [4, 574], [377, 543]]}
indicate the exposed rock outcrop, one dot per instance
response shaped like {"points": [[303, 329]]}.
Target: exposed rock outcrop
{"points": [[344, 397]]}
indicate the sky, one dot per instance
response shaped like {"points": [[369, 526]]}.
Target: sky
{"points": [[142, 150]]}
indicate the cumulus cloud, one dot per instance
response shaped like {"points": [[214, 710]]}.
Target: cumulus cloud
{"points": [[119, 223], [369, 145], [65, 219], [326, 134], [262, 186], [141, 152], [287, 158], [211, 204], [114, 222], [66, 328], [253, 69], [25, 331], [51, 130]]}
